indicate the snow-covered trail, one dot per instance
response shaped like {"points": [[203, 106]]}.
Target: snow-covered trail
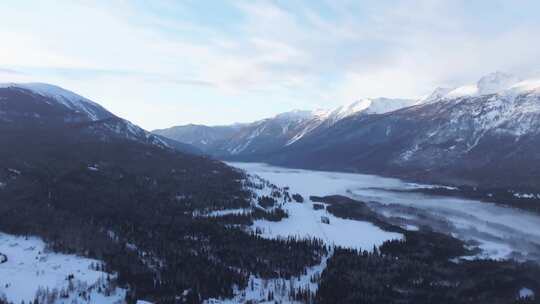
{"points": [[501, 231]]}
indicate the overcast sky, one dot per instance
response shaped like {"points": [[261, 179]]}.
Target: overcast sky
{"points": [[164, 63]]}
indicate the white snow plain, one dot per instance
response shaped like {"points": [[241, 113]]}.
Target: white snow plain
{"points": [[30, 266], [304, 221], [501, 232]]}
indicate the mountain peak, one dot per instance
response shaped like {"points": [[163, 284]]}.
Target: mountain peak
{"points": [[438, 93], [294, 114], [383, 105], [378, 105], [495, 82], [64, 97]]}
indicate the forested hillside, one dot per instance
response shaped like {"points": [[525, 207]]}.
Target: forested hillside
{"points": [[132, 202]]}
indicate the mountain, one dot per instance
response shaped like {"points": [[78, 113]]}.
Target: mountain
{"points": [[486, 133], [200, 136], [482, 134], [250, 141], [44, 105], [47, 103]]}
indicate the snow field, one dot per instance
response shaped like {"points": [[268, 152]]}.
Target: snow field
{"points": [[31, 267]]}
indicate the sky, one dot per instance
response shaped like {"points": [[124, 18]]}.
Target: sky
{"points": [[170, 62]]}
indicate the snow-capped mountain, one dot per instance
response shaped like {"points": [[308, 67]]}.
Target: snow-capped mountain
{"points": [[47, 106], [484, 133], [484, 136], [493, 83], [264, 136], [62, 97]]}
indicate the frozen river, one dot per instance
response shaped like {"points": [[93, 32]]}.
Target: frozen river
{"points": [[499, 231]]}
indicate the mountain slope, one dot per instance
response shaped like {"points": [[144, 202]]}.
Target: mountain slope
{"points": [[200, 136], [43, 105], [67, 100]]}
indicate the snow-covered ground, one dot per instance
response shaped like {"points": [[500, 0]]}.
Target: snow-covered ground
{"points": [[500, 231], [304, 221], [31, 267], [526, 293]]}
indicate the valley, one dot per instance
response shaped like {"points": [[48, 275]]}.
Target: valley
{"points": [[270, 152], [168, 224]]}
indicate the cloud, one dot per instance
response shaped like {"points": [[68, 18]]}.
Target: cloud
{"points": [[9, 71], [278, 54], [12, 75]]}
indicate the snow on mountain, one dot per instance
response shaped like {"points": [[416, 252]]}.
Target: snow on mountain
{"points": [[446, 136], [505, 101], [496, 82], [493, 83], [64, 97], [276, 132], [499, 104], [294, 115], [385, 105], [346, 110], [328, 118], [529, 85], [273, 133], [498, 101], [47, 104], [367, 105], [307, 121], [437, 94]]}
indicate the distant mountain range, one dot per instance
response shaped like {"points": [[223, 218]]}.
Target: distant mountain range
{"points": [[486, 133], [267, 135]]}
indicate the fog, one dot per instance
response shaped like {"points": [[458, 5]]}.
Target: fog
{"points": [[501, 232]]}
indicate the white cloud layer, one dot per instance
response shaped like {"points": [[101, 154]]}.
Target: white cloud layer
{"points": [[170, 62]]}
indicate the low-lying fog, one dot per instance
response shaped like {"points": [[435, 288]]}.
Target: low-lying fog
{"points": [[501, 232]]}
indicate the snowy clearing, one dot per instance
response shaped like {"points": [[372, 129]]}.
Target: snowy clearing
{"points": [[304, 221], [31, 267], [526, 293]]}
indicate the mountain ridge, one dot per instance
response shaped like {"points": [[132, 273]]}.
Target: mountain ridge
{"points": [[275, 132], [42, 104], [479, 134]]}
